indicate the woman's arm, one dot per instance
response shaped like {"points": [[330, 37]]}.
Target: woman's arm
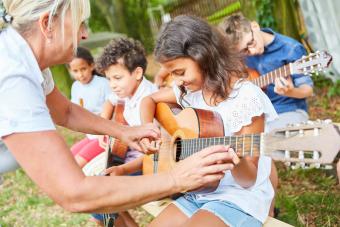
{"points": [[245, 171], [74, 117], [46, 159]]}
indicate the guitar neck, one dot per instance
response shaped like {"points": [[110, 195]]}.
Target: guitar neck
{"points": [[244, 145], [269, 78]]}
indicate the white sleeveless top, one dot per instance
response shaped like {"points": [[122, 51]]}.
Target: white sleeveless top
{"points": [[246, 101]]}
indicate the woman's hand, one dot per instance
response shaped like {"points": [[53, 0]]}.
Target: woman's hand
{"points": [[132, 136], [204, 168]]}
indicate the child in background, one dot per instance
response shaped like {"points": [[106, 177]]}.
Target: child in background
{"points": [[89, 91], [266, 51], [209, 76], [124, 63]]}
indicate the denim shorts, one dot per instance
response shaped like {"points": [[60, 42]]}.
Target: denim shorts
{"points": [[228, 212]]}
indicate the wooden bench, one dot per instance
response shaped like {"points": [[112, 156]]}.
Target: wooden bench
{"points": [[155, 208]]}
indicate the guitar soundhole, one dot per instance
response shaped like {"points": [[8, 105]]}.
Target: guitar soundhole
{"points": [[178, 149]]}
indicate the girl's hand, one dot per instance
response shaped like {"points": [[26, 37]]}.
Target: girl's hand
{"points": [[204, 168], [102, 140], [132, 136], [150, 147]]}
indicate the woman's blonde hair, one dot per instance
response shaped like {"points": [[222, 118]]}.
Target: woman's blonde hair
{"points": [[24, 12]]}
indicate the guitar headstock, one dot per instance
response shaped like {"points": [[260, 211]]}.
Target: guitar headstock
{"points": [[310, 143], [312, 63]]}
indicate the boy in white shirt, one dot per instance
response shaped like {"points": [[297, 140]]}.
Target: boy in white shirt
{"points": [[124, 63]]}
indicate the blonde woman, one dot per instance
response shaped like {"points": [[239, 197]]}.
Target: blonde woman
{"points": [[34, 36]]}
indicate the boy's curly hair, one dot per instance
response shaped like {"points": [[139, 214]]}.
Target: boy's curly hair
{"points": [[129, 50]]}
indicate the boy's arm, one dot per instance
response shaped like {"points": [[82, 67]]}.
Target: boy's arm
{"points": [[127, 168], [299, 85], [286, 87]]}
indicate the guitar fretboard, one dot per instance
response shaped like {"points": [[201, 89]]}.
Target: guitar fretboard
{"points": [[269, 78], [243, 145]]}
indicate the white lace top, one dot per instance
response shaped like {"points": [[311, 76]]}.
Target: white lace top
{"points": [[245, 101]]}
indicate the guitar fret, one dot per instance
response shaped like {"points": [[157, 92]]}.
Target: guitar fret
{"points": [[243, 143], [251, 145], [271, 76], [280, 74], [236, 145]]}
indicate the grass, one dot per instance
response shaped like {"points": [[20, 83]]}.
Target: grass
{"points": [[305, 197]]}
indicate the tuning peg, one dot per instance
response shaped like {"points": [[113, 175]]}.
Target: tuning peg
{"points": [[309, 122]]}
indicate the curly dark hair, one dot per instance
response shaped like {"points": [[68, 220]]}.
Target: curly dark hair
{"points": [[131, 51], [192, 37]]}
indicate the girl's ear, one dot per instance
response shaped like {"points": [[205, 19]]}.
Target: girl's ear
{"points": [[43, 24], [138, 73]]}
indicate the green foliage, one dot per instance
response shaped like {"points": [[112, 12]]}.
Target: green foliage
{"points": [[308, 197], [129, 17], [219, 15], [264, 13], [62, 79], [322, 82]]}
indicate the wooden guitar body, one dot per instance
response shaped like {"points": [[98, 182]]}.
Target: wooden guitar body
{"points": [[187, 124], [117, 149]]}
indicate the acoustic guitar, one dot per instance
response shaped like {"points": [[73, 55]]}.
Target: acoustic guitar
{"points": [[313, 63], [115, 154], [116, 149], [190, 130]]}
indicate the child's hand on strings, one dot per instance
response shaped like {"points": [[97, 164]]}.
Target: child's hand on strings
{"points": [[283, 86], [150, 147]]}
